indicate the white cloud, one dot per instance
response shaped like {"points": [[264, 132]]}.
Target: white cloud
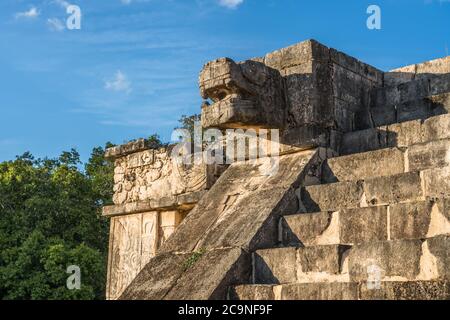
{"points": [[55, 24], [62, 3], [231, 4], [119, 83], [126, 1], [32, 13]]}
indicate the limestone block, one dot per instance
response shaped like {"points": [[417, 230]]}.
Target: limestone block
{"points": [[409, 290], [439, 257], [393, 189], [419, 220], [433, 154], [347, 226], [308, 264], [298, 54], [436, 182], [361, 166], [320, 291], [128, 148], [309, 229], [252, 292], [357, 67], [344, 115], [384, 115], [332, 197], [437, 66], [133, 242], [403, 260], [275, 266], [363, 225], [404, 134], [399, 76], [320, 259], [436, 128], [393, 259], [411, 91], [361, 141], [440, 84]]}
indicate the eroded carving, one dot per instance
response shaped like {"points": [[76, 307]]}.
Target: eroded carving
{"points": [[153, 174], [245, 94]]}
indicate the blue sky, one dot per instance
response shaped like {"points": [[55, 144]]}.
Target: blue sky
{"points": [[132, 69]]}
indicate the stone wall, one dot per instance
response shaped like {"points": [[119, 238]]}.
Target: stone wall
{"points": [[317, 97], [152, 195], [323, 93]]}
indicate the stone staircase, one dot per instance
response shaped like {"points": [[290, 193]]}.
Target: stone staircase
{"points": [[378, 227], [371, 223]]}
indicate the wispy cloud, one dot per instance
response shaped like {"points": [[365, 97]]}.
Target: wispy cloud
{"points": [[119, 83], [231, 4], [62, 3], [55, 24], [32, 13], [125, 1]]}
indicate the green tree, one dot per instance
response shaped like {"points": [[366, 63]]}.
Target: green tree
{"points": [[50, 219], [188, 122]]}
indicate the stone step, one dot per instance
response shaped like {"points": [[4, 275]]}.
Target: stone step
{"points": [[401, 260], [385, 290], [293, 264], [402, 134], [396, 260], [404, 187], [415, 220], [387, 162]]}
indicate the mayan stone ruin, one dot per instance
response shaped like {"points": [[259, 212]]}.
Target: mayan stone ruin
{"points": [[358, 208]]}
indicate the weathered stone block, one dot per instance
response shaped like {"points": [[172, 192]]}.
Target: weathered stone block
{"points": [[361, 141], [439, 261], [128, 148], [404, 134], [400, 259], [347, 226], [433, 154], [409, 290], [332, 197], [412, 91], [252, 292], [275, 266], [437, 66], [310, 229], [387, 259], [320, 291], [436, 128], [393, 189], [361, 166], [356, 66], [363, 225], [320, 259], [410, 220], [399, 75], [436, 182]]}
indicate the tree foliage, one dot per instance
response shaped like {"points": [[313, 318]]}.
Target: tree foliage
{"points": [[50, 219]]}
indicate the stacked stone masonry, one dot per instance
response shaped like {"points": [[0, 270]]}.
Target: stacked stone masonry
{"points": [[358, 209]]}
